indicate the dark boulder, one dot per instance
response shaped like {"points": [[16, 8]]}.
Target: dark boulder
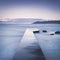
{"points": [[57, 32], [35, 31], [44, 31], [52, 34]]}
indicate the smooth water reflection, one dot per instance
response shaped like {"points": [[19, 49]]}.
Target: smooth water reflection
{"points": [[50, 45], [9, 39]]}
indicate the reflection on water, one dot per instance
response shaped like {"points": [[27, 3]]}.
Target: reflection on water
{"points": [[9, 39], [49, 45]]}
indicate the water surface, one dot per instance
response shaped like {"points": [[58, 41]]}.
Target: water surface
{"points": [[11, 36]]}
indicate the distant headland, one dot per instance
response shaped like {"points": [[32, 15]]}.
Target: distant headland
{"points": [[47, 22], [29, 21]]}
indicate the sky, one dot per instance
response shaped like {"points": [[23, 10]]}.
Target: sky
{"points": [[42, 9]]}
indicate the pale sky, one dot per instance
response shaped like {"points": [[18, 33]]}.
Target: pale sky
{"points": [[43, 9]]}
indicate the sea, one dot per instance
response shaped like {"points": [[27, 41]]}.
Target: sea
{"points": [[12, 34]]}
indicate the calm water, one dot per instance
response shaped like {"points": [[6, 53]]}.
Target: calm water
{"points": [[11, 36]]}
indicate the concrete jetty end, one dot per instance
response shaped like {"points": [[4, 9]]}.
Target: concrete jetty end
{"points": [[29, 48]]}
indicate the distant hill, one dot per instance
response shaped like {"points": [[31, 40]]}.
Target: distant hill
{"points": [[47, 22], [19, 21], [28, 21]]}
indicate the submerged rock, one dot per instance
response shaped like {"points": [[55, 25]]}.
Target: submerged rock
{"points": [[52, 34], [44, 31], [57, 32]]}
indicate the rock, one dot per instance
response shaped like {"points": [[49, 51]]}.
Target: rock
{"points": [[57, 32], [44, 31], [35, 31], [52, 34]]}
